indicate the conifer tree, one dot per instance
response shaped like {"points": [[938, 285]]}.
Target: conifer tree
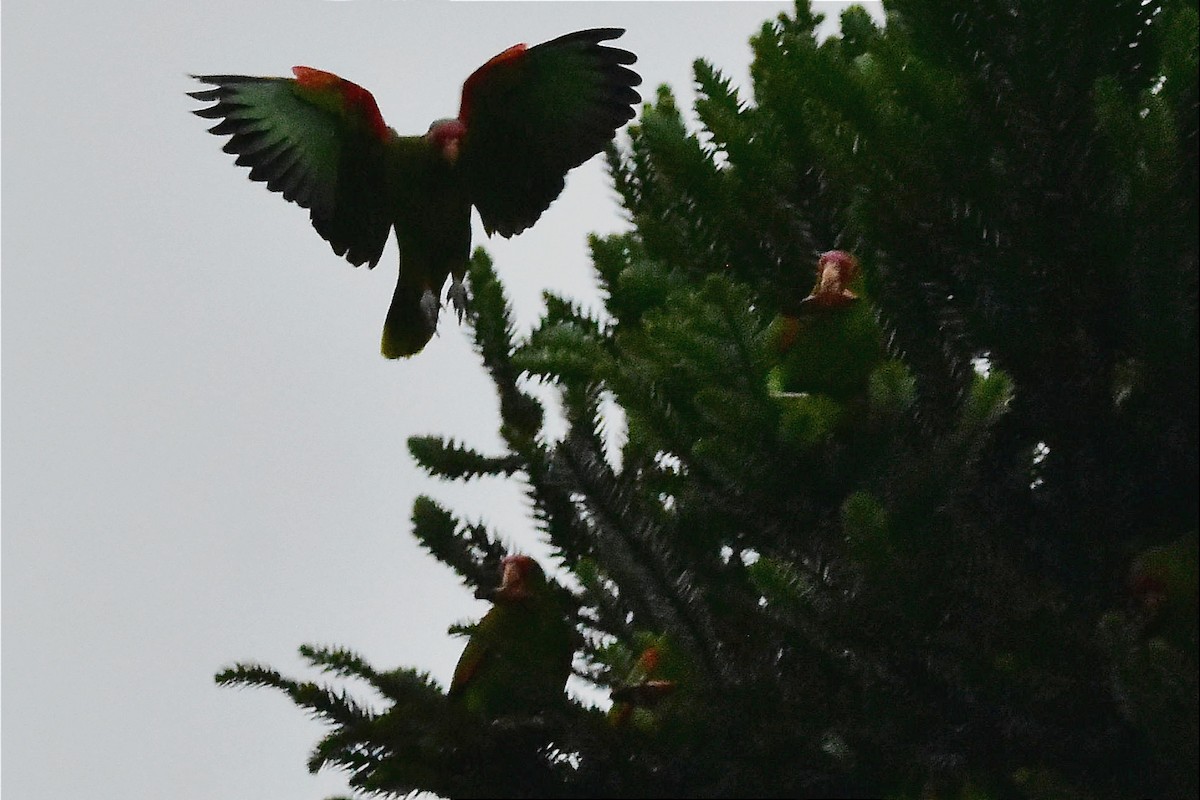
{"points": [[913, 518]]}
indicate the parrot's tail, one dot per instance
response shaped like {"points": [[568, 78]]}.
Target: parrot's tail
{"points": [[411, 320]]}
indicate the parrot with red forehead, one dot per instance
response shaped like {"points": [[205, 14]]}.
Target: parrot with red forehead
{"points": [[832, 342], [526, 117], [519, 655]]}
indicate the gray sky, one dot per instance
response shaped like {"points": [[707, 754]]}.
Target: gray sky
{"points": [[204, 453]]}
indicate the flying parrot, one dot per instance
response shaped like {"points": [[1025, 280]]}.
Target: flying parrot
{"points": [[518, 658], [527, 117]]}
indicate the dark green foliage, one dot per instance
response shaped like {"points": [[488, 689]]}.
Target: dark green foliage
{"points": [[937, 542]]}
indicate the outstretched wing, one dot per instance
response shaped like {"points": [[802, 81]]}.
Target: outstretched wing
{"points": [[317, 139], [532, 114]]}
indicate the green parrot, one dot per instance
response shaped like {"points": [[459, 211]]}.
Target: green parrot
{"points": [[654, 677], [831, 345], [527, 117], [1164, 582], [519, 655], [661, 695]]}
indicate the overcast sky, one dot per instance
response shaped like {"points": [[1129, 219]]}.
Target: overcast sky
{"points": [[204, 453]]}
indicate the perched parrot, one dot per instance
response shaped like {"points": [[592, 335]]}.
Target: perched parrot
{"points": [[836, 270], [834, 342], [1163, 580], [518, 658], [659, 693], [644, 687], [527, 117]]}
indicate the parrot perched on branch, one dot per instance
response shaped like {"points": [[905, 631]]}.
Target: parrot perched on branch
{"points": [[527, 117], [1163, 580], [836, 270], [519, 655], [658, 691]]}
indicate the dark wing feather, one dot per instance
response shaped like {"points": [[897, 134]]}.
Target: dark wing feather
{"points": [[533, 115], [306, 147], [472, 658]]}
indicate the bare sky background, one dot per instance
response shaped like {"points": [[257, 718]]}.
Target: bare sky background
{"points": [[204, 453]]}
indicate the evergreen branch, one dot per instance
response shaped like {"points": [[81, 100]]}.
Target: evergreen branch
{"points": [[253, 675], [410, 748], [344, 748], [684, 171], [564, 310], [726, 117], [467, 549], [339, 661], [564, 350], [450, 460], [554, 511], [336, 707], [612, 616], [492, 322], [636, 553]]}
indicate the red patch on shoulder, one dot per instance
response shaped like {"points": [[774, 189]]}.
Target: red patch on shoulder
{"points": [[311, 78], [354, 98], [480, 75]]}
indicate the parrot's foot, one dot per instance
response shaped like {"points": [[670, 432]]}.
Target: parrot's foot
{"points": [[430, 306], [457, 293]]}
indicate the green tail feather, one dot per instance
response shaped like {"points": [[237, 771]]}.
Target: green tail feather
{"points": [[407, 329]]}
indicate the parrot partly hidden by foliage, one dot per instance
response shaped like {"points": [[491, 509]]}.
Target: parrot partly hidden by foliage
{"points": [[518, 658], [1163, 580], [656, 686], [527, 117], [1153, 650], [826, 350]]}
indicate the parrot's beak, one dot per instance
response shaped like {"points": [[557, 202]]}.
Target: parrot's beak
{"points": [[512, 585], [512, 582], [835, 271]]}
